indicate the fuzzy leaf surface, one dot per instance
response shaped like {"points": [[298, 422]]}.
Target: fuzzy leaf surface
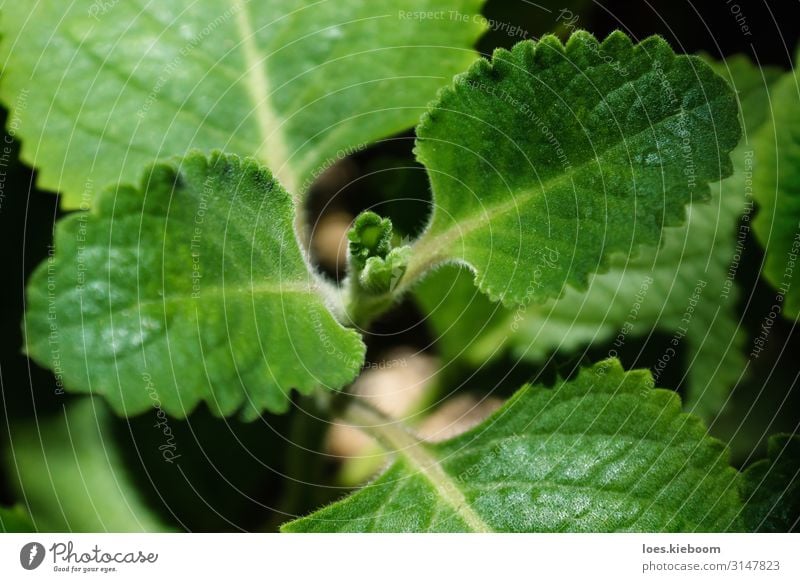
{"points": [[603, 452], [190, 288], [551, 151], [101, 89]]}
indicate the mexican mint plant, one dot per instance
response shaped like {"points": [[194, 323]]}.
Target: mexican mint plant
{"points": [[184, 141]]}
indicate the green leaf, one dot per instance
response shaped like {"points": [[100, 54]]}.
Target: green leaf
{"points": [[770, 488], [191, 288], [602, 452], [776, 182], [468, 328], [69, 473], [101, 89], [752, 84], [15, 520], [546, 162], [653, 290]]}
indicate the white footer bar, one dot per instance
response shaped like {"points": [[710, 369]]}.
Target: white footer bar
{"points": [[406, 557]]}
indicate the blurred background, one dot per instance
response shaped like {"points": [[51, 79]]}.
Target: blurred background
{"points": [[235, 476]]}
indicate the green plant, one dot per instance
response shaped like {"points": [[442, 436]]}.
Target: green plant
{"points": [[560, 176]]}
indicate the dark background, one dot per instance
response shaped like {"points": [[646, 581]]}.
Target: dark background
{"points": [[27, 217]]}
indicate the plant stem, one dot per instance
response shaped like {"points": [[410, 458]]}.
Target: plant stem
{"points": [[362, 307], [392, 434]]}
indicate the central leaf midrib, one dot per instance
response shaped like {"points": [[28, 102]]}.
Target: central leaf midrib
{"points": [[272, 150], [414, 452], [430, 468]]}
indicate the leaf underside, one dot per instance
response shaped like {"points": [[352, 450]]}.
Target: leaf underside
{"points": [[770, 488], [602, 452], [101, 89], [776, 182], [552, 158], [191, 288]]}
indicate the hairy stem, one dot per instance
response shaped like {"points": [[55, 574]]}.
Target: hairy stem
{"points": [[392, 434], [361, 307]]}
